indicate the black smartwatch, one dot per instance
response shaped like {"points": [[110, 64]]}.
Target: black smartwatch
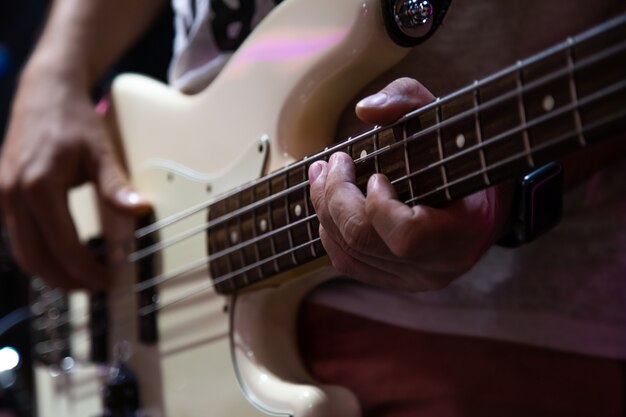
{"points": [[537, 205]]}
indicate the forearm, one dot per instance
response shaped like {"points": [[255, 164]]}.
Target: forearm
{"points": [[82, 39]]}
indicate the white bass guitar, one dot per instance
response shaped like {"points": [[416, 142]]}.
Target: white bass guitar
{"points": [[202, 313]]}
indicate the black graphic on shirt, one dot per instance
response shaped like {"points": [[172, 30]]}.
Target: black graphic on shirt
{"points": [[231, 26]]}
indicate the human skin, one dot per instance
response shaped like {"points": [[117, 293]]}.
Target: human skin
{"points": [[56, 140], [378, 239]]}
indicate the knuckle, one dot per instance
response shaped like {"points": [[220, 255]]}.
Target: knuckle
{"points": [[317, 198], [356, 233]]}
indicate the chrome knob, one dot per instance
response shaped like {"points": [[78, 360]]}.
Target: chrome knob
{"points": [[414, 17]]}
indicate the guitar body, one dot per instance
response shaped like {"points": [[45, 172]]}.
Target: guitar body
{"points": [[277, 100]]}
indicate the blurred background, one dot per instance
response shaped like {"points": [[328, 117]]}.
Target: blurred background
{"points": [[20, 25]]}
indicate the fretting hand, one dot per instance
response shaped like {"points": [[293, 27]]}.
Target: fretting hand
{"points": [[378, 239]]}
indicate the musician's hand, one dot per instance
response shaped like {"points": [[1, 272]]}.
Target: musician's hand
{"points": [[56, 141], [380, 240]]}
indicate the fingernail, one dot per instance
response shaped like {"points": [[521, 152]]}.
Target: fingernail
{"points": [[129, 196], [338, 159], [375, 183], [314, 171], [372, 183], [375, 100]]}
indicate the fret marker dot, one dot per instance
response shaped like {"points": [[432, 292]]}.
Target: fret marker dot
{"points": [[548, 103], [234, 237], [297, 210], [363, 153], [460, 140], [263, 225]]}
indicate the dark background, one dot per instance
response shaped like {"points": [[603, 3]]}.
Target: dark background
{"points": [[20, 25]]}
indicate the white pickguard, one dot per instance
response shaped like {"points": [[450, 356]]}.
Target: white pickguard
{"points": [[288, 83]]}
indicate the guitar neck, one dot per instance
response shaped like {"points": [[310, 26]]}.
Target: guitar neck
{"points": [[533, 112]]}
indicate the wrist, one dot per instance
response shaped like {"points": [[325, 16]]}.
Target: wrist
{"points": [[53, 67]]}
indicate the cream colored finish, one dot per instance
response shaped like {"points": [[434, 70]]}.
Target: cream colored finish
{"points": [[288, 83], [267, 358]]}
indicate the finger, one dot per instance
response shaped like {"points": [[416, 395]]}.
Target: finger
{"points": [[61, 238], [351, 266], [30, 254], [379, 272], [393, 101], [433, 238], [345, 205], [402, 228], [318, 176], [114, 186]]}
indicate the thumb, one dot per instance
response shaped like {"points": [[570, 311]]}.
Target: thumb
{"points": [[396, 99], [115, 187]]}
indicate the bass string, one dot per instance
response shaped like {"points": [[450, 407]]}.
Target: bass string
{"points": [[202, 263]]}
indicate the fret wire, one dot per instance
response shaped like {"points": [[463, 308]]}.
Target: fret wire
{"points": [[536, 83], [270, 224], [444, 175], [288, 219], [522, 114], [573, 91], [253, 221], [541, 119], [376, 148], [350, 149], [559, 139], [407, 160], [308, 215], [238, 237], [257, 252], [479, 135]]}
